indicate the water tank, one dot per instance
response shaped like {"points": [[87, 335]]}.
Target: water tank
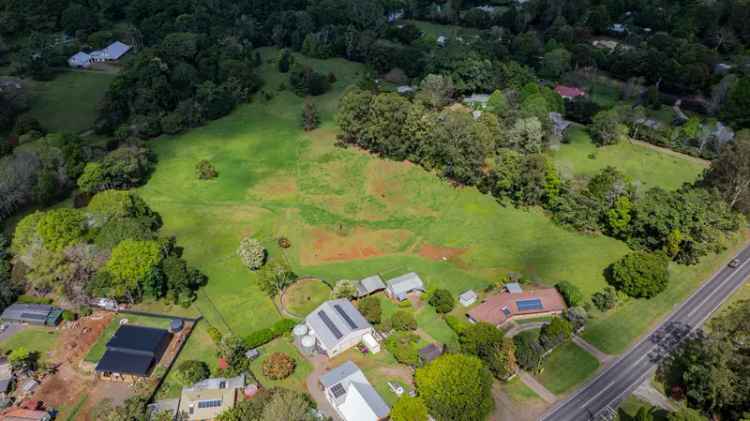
{"points": [[300, 330], [308, 344]]}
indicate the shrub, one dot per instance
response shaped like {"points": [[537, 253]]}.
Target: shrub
{"points": [[85, 311], [555, 333], [252, 253], [577, 317], [442, 300], [403, 346], [69, 316], [214, 334], [284, 243], [192, 371], [640, 274], [409, 408], [370, 309], [344, 289], [605, 299], [205, 170], [457, 324], [264, 336], [403, 320], [278, 366], [571, 293], [529, 351]]}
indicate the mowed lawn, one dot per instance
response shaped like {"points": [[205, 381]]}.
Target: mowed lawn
{"points": [[566, 366], [305, 295], [199, 347], [645, 166], [33, 338], [68, 103]]}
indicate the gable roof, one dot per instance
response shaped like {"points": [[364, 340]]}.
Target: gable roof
{"points": [[359, 396], [369, 285], [219, 383], [80, 57], [204, 404], [139, 339], [430, 352], [334, 320], [405, 283], [27, 312], [116, 50], [468, 295], [26, 415]]}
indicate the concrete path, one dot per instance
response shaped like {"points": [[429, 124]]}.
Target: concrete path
{"points": [[537, 387], [522, 327], [313, 387], [599, 355], [649, 394]]}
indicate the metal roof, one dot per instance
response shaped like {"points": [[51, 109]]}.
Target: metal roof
{"points": [[369, 285], [116, 50], [468, 296], [405, 284], [334, 320], [514, 288], [350, 378], [140, 339], [125, 362], [216, 383], [30, 312]]}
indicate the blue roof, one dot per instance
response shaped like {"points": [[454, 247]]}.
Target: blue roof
{"points": [[531, 304]]}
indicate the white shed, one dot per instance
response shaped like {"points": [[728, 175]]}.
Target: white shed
{"points": [[467, 298], [79, 59]]}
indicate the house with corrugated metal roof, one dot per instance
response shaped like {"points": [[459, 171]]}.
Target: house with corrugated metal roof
{"points": [[398, 288], [352, 395], [370, 285], [337, 326]]}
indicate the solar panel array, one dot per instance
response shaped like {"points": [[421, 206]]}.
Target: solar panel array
{"points": [[324, 317], [506, 311], [33, 316], [533, 304], [209, 404], [338, 390], [345, 316]]}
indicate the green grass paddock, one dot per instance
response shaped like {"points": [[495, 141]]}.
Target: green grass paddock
{"points": [[565, 367]]}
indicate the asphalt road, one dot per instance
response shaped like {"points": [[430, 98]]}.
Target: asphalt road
{"points": [[600, 396]]}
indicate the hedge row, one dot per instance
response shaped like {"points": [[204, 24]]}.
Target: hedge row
{"points": [[30, 299], [264, 336]]}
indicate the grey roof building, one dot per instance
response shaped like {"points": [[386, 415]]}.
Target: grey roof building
{"points": [[133, 351], [370, 285], [6, 376], [37, 314], [399, 287], [467, 298], [337, 326], [352, 395]]}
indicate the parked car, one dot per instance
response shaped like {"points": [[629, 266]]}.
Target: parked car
{"points": [[734, 264]]}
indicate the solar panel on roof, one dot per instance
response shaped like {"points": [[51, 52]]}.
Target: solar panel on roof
{"points": [[33, 316], [214, 403], [338, 390], [324, 317], [346, 317], [506, 311], [526, 305]]}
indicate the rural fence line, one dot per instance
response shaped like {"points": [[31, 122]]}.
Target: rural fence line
{"points": [[159, 315]]}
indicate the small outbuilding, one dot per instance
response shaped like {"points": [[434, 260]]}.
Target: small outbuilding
{"points": [[430, 352], [132, 353], [467, 298], [398, 288], [370, 285], [35, 314]]}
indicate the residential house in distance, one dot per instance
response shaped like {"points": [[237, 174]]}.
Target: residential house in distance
{"points": [[112, 52], [559, 124], [370, 285], [398, 288], [336, 326], [515, 303], [206, 399], [569, 92], [27, 415], [132, 353], [35, 314], [352, 395], [477, 100]]}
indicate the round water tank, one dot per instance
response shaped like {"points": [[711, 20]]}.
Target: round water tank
{"points": [[300, 330], [308, 342]]}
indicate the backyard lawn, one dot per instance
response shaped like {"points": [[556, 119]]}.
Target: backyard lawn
{"points": [[100, 347], [68, 103], [567, 366], [199, 347], [297, 380], [33, 338], [645, 166]]}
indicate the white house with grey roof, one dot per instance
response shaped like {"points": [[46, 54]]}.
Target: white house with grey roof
{"points": [[337, 326], [352, 395], [398, 288], [370, 285]]}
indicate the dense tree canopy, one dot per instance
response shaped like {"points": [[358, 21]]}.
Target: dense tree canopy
{"points": [[456, 387], [640, 274]]}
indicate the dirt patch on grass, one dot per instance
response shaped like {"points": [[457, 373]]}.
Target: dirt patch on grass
{"points": [[401, 372], [385, 183], [446, 254], [359, 243], [280, 187]]}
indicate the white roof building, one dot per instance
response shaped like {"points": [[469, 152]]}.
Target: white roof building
{"points": [[337, 326], [79, 59], [113, 52], [352, 395], [467, 298], [399, 287]]}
